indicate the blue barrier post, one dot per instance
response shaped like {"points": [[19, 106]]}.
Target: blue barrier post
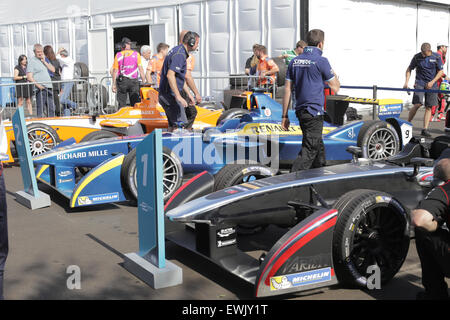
{"points": [[30, 197], [150, 264]]}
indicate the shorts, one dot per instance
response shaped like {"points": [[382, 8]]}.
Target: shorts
{"points": [[175, 113], [431, 99]]}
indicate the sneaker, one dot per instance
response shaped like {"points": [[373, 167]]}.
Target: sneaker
{"points": [[425, 133], [441, 116], [434, 119]]}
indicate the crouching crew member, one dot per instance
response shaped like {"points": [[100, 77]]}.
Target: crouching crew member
{"points": [[432, 239], [126, 70], [172, 83], [306, 74]]}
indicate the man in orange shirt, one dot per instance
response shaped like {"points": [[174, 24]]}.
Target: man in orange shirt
{"points": [[127, 64], [266, 69], [157, 62]]}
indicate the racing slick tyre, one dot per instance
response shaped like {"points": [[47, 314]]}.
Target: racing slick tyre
{"points": [[233, 113], [172, 174], [378, 140], [81, 70], [42, 138], [372, 229], [234, 174], [97, 135]]}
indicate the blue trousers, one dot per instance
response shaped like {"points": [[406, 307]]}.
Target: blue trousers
{"points": [[64, 99], [3, 232], [45, 103]]}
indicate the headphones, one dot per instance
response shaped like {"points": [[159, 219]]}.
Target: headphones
{"points": [[190, 38]]}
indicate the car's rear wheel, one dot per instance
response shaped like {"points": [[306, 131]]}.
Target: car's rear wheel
{"points": [[172, 174], [42, 138], [372, 229], [233, 113], [97, 135], [378, 140]]}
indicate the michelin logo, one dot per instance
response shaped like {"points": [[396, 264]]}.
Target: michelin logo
{"points": [[98, 198], [300, 279]]}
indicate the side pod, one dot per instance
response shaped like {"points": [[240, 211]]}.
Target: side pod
{"points": [[301, 259]]}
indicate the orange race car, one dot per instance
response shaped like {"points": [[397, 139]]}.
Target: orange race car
{"points": [[144, 117]]}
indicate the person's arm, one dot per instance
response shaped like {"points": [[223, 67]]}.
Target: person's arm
{"points": [[436, 78], [191, 84], [286, 99], [273, 70], [407, 77], [173, 86], [334, 84], [142, 73], [17, 77], [423, 219], [31, 79], [48, 65]]}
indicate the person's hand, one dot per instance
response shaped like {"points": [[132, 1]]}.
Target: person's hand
{"points": [[181, 101], [285, 124], [198, 98], [114, 88], [191, 100], [429, 85], [405, 86]]}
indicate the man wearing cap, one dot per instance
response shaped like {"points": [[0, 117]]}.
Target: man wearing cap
{"points": [[126, 69], [429, 70]]}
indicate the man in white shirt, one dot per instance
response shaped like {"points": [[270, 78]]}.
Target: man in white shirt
{"points": [[146, 54], [67, 65]]}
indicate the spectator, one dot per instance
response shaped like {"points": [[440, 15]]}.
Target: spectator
{"points": [[3, 229], [266, 69], [23, 91], [37, 73], [67, 65], [173, 83], [157, 62], [428, 72], [288, 55], [437, 112], [55, 76], [251, 63], [307, 74], [432, 239], [127, 66], [146, 54]]}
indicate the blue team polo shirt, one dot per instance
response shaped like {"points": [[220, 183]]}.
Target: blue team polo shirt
{"points": [[308, 73], [426, 67], [175, 61]]}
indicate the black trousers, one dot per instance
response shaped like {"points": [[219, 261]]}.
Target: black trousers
{"points": [[128, 87], [3, 232], [433, 250], [312, 154]]}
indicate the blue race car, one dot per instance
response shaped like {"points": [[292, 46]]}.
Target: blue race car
{"points": [[104, 171]]}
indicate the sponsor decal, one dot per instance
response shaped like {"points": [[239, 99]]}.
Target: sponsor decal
{"points": [[81, 155], [98, 198], [65, 180], [300, 279], [65, 173], [231, 191], [267, 112], [222, 233], [225, 243], [145, 206], [381, 199]]}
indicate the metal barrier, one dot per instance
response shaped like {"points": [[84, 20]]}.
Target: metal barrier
{"points": [[68, 97]]}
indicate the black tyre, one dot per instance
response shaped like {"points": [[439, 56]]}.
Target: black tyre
{"points": [[172, 174], [281, 75], [233, 113], [378, 140], [97, 135], [81, 70], [372, 229], [42, 138], [98, 96], [234, 174]]}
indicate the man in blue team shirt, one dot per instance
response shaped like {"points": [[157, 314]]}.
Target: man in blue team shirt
{"points": [[172, 82], [429, 70], [307, 74]]}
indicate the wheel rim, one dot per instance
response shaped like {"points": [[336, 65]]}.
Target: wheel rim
{"points": [[171, 175], [41, 141], [382, 144], [379, 240]]}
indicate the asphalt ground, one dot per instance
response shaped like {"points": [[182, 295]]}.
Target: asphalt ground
{"points": [[45, 242]]}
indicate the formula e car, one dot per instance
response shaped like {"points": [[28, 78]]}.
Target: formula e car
{"points": [[45, 133], [323, 226], [256, 136]]}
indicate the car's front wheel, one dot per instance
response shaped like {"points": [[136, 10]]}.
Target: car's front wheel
{"points": [[378, 140]]}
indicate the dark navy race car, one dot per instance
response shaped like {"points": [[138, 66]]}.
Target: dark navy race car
{"points": [[316, 227]]}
